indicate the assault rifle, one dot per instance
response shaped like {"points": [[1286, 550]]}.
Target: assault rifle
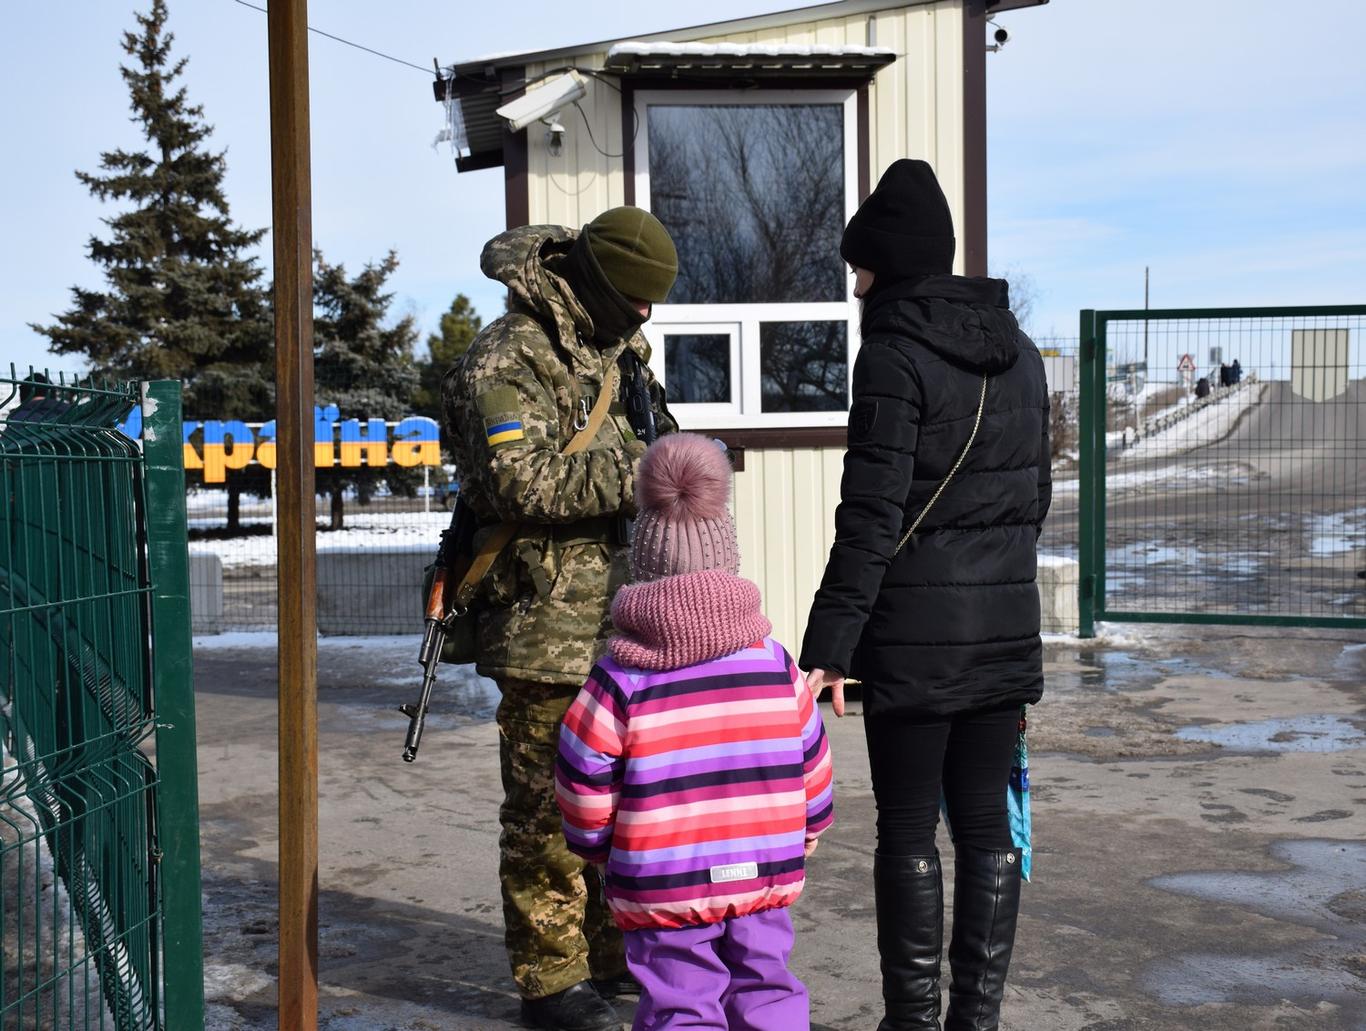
{"points": [[448, 628], [640, 410], [453, 557]]}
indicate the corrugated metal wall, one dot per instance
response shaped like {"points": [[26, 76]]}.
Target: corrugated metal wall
{"points": [[785, 498], [785, 517]]}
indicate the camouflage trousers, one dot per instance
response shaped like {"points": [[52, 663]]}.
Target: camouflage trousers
{"points": [[558, 928]]}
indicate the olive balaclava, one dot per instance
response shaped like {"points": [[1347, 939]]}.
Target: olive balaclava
{"points": [[903, 230], [623, 254]]}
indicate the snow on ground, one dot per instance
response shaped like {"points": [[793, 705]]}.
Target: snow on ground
{"points": [[1207, 426], [1337, 534], [1107, 635], [1048, 561], [377, 644], [57, 957], [365, 531], [1184, 402], [1167, 475]]}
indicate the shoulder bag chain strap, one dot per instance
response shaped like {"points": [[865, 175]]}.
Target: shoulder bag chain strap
{"points": [[977, 424]]}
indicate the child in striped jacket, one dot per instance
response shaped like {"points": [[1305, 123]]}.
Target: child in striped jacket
{"points": [[694, 766]]}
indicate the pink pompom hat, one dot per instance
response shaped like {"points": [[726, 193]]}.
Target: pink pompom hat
{"points": [[683, 496]]}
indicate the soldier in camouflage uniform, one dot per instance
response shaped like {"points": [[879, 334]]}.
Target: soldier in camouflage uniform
{"points": [[513, 401]]}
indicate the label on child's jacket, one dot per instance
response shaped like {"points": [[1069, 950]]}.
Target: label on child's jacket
{"points": [[734, 872]]}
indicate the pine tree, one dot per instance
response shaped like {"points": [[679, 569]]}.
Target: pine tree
{"points": [[362, 367], [183, 297], [459, 326]]}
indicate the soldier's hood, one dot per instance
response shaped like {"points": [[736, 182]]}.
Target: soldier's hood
{"points": [[518, 259]]}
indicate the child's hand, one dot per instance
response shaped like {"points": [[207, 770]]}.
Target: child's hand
{"points": [[811, 844], [818, 680]]}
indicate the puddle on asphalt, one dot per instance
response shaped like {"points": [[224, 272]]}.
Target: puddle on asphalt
{"points": [[1113, 671], [1322, 890], [1316, 733]]}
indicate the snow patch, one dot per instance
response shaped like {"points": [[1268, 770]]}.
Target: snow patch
{"points": [[665, 49], [1337, 534], [28, 874], [1056, 561], [266, 639], [368, 532], [1209, 425], [1175, 476]]}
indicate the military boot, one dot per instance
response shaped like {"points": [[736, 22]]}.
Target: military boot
{"points": [[578, 1008], [909, 897], [624, 983], [986, 900]]}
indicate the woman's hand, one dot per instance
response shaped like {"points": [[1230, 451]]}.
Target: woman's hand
{"points": [[818, 680]]}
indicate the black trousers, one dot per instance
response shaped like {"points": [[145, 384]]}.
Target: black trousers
{"points": [[966, 758]]}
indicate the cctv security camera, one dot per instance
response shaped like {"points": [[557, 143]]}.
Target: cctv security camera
{"points": [[554, 138], [543, 101], [999, 34]]}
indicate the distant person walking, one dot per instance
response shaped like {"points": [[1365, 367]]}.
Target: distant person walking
{"points": [[694, 768], [1235, 372], [37, 401], [940, 621]]}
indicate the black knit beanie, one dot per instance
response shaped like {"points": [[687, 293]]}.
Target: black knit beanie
{"points": [[613, 315], [904, 228]]}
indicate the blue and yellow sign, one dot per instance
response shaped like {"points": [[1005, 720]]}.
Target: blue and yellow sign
{"points": [[350, 443]]}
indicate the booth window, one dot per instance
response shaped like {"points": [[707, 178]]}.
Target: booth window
{"points": [[756, 189]]}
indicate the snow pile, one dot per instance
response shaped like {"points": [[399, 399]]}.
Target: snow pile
{"points": [[372, 532], [1168, 477], [741, 50], [1208, 425], [31, 895]]}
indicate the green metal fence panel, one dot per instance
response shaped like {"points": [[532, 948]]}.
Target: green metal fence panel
{"points": [[1223, 467], [1089, 412], [81, 785], [173, 689]]}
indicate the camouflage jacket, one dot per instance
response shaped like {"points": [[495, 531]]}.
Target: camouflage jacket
{"points": [[512, 402]]}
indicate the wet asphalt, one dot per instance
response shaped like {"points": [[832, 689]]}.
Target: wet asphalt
{"points": [[1200, 843]]}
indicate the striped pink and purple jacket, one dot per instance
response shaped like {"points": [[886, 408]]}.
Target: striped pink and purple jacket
{"points": [[698, 787]]}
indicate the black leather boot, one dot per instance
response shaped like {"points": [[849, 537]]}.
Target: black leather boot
{"points": [[909, 893], [986, 900], [577, 1008]]}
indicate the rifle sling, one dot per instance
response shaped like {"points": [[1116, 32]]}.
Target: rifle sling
{"points": [[504, 532]]}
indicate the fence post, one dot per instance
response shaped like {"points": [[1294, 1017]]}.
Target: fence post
{"points": [[1086, 448], [173, 691], [1100, 424]]}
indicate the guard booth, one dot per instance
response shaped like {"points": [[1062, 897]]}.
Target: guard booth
{"points": [[753, 141]]}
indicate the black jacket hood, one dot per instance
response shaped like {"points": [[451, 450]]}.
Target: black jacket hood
{"points": [[965, 319]]}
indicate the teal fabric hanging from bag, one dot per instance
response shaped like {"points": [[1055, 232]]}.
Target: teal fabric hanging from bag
{"points": [[1017, 801]]}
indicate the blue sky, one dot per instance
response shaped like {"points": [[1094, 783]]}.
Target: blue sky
{"points": [[1221, 144]]}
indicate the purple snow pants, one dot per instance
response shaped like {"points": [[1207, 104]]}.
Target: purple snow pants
{"points": [[730, 976]]}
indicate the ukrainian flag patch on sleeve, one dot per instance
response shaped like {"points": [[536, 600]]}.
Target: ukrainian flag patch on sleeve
{"points": [[503, 431]]}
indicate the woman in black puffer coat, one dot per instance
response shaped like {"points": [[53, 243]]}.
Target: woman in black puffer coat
{"points": [[944, 633]]}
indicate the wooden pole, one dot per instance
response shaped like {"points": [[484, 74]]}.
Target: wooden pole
{"points": [[298, 643]]}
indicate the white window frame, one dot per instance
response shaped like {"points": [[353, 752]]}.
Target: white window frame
{"points": [[698, 415], [684, 317]]}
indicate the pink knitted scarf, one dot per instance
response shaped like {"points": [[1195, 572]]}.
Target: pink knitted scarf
{"points": [[683, 620]]}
